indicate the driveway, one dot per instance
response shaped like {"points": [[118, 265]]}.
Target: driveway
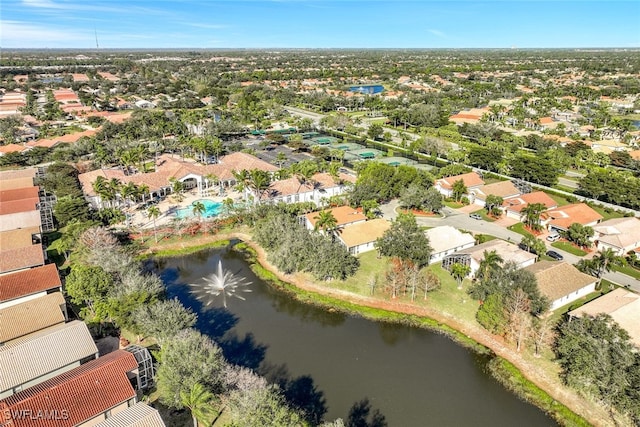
{"points": [[460, 220]]}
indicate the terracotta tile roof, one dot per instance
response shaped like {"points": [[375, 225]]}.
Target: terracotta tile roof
{"points": [[558, 279], [290, 186], [19, 258], [344, 215], [16, 206], [17, 220], [169, 167], [471, 180], [516, 204], [12, 148], [504, 189], [43, 352], [84, 392], [18, 173], [622, 305], [18, 238], [31, 316], [29, 282], [19, 193], [138, 415], [364, 232], [9, 184], [564, 216], [66, 139]]}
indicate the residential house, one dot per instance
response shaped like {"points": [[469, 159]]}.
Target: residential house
{"points": [[39, 356], [31, 316], [561, 218], [19, 238], [24, 285], [445, 240], [23, 219], [361, 236], [17, 178], [471, 180], [513, 206], [19, 200], [320, 186], [81, 397], [561, 283], [621, 235], [344, 215], [504, 189], [13, 260], [622, 305], [138, 415], [193, 175], [474, 255]]}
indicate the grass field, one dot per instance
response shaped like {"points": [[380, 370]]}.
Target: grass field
{"points": [[629, 271], [568, 247], [519, 228], [483, 214]]}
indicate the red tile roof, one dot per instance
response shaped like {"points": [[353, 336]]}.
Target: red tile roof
{"points": [[15, 206], [28, 282], [76, 396], [343, 214], [12, 148], [18, 194], [516, 204], [564, 216], [470, 180]]}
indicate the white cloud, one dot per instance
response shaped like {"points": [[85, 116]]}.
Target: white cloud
{"points": [[19, 34], [437, 33], [209, 26]]}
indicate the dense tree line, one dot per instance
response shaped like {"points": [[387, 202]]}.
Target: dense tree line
{"points": [[378, 181], [610, 186], [291, 247]]}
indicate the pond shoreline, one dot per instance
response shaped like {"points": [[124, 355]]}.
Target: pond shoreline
{"points": [[520, 376]]}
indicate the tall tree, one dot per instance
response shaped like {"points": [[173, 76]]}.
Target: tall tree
{"points": [[154, 212], [405, 240], [532, 214], [325, 221], [459, 272], [163, 320], [490, 263], [458, 190]]}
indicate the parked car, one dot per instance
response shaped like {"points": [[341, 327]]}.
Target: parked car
{"points": [[475, 216], [553, 237], [555, 255]]}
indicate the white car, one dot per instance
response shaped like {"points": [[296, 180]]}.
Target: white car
{"points": [[553, 237]]}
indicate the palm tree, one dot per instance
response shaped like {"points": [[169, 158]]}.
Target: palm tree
{"points": [[459, 272], [143, 190], [128, 191], [281, 158], [198, 210], [199, 401], [458, 190], [154, 212], [112, 189], [325, 221], [100, 188], [532, 214], [603, 261], [258, 182], [490, 262]]}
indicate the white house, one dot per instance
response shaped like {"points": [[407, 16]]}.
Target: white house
{"points": [[621, 235], [446, 240], [504, 189], [474, 255], [320, 187], [361, 237], [562, 283], [471, 180]]}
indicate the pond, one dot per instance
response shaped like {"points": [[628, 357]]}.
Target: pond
{"points": [[332, 364]]}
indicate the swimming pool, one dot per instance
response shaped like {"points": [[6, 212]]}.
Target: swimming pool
{"points": [[211, 209]]}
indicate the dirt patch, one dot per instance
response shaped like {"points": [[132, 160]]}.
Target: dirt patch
{"points": [[595, 414]]}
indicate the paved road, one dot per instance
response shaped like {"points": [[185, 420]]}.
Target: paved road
{"points": [[462, 221], [567, 182]]}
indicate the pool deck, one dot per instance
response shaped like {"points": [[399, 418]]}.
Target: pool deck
{"points": [[168, 206]]}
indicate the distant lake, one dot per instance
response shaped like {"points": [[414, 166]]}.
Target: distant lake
{"points": [[331, 363], [367, 89], [636, 124]]}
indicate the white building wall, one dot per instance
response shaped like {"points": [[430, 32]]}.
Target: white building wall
{"points": [[567, 299], [436, 257]]}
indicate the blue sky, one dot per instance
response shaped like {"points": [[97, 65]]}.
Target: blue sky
{"points": [[318, 24]]}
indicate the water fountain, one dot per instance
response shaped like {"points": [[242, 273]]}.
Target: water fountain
{"points": [[221, 282]]}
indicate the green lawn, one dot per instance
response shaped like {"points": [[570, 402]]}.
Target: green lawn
{"points": [[561, 201], [483, 213], [628, 270], [564, 188], [370, 266], [453, 205], [607, 213], [519, 228], [568, 247]]}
